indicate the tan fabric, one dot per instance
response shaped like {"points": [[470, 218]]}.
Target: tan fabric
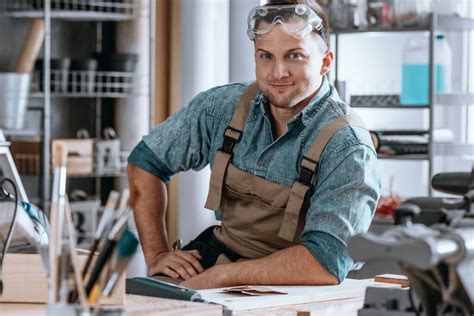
{"points": [[252, 212], [242, 111], [217, 179], [314, 153], [289, 223], [222, 259], [259, 216], [288, 229], [222, 159]]}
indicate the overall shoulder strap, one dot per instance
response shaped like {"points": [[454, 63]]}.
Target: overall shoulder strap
{"points": [[232, 136], [308, 169]]}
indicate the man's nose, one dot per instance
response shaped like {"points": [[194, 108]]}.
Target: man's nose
{"points": [[279, 70]]}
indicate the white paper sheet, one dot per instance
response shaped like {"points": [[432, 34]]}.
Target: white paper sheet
{"points": [[296, 295]]}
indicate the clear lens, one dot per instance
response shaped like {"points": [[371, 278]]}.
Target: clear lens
{"points": [[261, 11], [300, 9], [296, 19]]}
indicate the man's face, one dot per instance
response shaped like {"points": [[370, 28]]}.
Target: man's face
{"points": [[289, 70]]}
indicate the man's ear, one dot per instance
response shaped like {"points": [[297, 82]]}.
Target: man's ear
{"points": [[327, 61]]}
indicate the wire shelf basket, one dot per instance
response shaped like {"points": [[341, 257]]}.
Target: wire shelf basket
{"points": [[75, 83], [73, 9]]}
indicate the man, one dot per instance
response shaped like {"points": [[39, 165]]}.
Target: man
{"points": [[294, 173]]}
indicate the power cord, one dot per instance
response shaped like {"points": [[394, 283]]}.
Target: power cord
{"points": [[4, 194]]}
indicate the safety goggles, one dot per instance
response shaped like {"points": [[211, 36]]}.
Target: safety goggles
{"points": [[298, 20]]}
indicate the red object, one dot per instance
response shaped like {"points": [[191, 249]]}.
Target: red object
{"points": [[387, 205]]}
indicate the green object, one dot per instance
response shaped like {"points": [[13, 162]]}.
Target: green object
{"points": [[126, 247], [155, 288], [127, 244]]}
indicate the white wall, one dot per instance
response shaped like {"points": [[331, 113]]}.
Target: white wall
{"points": [[241, 58], [204, 64]]}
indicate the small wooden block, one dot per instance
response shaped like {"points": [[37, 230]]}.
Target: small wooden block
{"points": [[393, 279]]}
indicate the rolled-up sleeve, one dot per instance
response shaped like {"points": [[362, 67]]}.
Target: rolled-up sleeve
{"points": [[142, 157], [343, 203], [178, 144]]}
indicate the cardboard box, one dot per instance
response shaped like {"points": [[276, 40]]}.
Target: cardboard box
{"points": [[27, 155], [24, 281], [80, 160]]}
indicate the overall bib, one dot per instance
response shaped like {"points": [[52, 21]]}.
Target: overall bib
{"points": [[259, 216]]}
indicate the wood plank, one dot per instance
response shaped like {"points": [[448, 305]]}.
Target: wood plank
{"points": [[135, 306], [24, 280], [393, 279]]}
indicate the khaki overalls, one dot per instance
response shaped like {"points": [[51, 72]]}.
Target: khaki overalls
{"points": [[260, 217]]}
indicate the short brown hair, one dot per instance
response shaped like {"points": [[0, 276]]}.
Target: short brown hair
{"points": [[314, 6]]}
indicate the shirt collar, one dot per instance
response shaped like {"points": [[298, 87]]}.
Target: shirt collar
{"points": [[261, 102], [315, 102]]}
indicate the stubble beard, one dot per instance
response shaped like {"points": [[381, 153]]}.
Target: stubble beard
{"points": [[286, 102]]}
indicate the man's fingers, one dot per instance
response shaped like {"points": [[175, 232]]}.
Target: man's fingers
{"points": [[169, 272], [186, 265], [194, 252], [180, 270], [192, 260], [182, 264]]}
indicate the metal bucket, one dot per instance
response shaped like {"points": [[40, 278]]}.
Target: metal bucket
{"points": [[14, 90]]}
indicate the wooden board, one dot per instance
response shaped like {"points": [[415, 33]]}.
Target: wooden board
{"points": [[24, 280], [135, 306], [393, 278], [296, 295]]}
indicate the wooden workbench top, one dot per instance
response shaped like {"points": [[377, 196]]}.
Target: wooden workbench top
{"points": [[135, 306]]}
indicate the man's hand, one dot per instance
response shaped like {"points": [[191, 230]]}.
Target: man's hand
{"points": [[177, 264], [209, 279]]}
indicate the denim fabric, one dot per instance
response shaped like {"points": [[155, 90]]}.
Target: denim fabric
{"points": [[345, 191]]}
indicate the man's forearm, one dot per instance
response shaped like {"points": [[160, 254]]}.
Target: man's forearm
{"points": [[291, 266], [294, 265], [148, 198]]}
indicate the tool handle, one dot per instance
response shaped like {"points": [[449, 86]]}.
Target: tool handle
{"points": [[60, 154], [31, 47], [92, 250], [101, 261]]}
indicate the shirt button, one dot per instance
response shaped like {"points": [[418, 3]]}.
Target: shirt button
{"points": [[263, 163]]}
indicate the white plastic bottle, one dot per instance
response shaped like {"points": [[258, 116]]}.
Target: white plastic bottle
{"points": [[415, 70], [443, 59]]}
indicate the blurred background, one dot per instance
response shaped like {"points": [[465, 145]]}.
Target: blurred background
{"points": [[99, 74]]}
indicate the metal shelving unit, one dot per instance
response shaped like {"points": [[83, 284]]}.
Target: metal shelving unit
{"points": [[97, 84], [105, 85], [436, 23], [419, 157], [73, 10]]}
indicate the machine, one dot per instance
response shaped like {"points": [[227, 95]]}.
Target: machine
{"points": [[437, 259]]}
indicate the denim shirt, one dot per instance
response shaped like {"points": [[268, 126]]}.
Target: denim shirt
{"points": [[347, 186]]}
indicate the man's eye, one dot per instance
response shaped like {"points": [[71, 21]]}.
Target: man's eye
{"points": [[295, 56], [265, 56]]}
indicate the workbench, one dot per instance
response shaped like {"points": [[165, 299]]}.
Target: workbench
{"points": [[142, 306], [134, 305]]}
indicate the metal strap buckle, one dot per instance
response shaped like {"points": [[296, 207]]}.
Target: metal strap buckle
{"points": [[229, 143], [307, 175]]}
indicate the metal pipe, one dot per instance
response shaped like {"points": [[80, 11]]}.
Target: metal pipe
{"points": [[432, 98], [47, 108]]}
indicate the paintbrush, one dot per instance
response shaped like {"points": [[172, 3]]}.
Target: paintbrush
{"points": [[107, 251], [105, 220], [126, 247]]}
